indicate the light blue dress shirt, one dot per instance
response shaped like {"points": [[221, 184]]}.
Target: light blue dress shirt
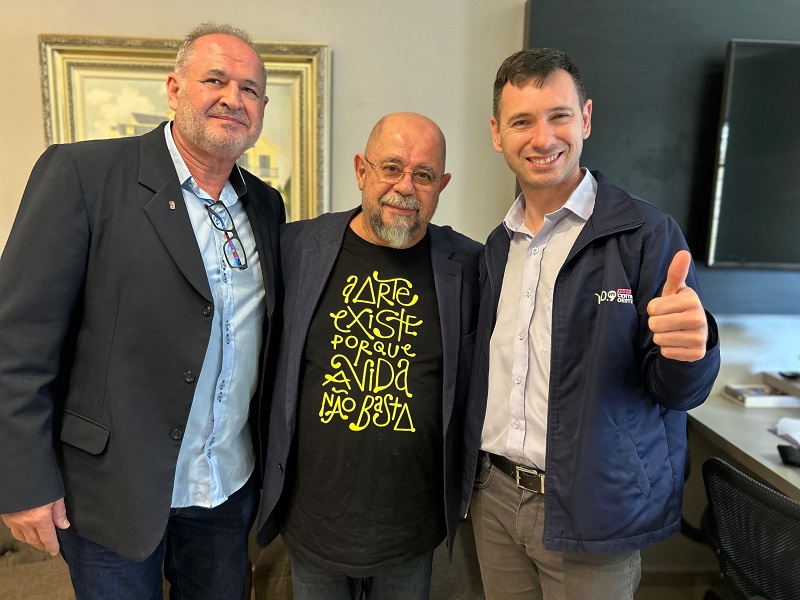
{"points": [[519, 350], [216, 456]]}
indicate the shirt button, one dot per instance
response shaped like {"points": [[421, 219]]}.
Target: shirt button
{"points": [[518, 379], [521, 336], [534, 251], [188, 377], [176, 434], [527, 293], [516, 424], [207, 310]]}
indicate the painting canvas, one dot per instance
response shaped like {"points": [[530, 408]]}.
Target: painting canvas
{"points": [[95, 88]]}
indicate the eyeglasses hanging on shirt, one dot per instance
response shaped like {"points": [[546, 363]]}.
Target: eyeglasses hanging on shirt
{"points": [[232, 247]]}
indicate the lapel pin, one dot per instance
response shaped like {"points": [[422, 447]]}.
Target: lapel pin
{"points": [[171, 205]]}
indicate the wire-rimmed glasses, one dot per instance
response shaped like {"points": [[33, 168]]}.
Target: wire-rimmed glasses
{"points": [[391, 172]]}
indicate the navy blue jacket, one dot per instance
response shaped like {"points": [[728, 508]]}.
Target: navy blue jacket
{"points": [[616, 436], [309, 250]]}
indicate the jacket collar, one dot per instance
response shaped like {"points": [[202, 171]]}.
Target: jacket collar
{"points": [[167, 211], [155, 163], [615, 210]]}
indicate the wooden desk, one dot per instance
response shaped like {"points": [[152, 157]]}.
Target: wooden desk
{"points": [[742, 433]]}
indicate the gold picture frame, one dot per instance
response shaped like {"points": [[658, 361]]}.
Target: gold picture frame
{"points": [[99, 87]]}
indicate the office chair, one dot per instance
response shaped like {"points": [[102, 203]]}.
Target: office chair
{"points": [[696, 534], [756, 534]]}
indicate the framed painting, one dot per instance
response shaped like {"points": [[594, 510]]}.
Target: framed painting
{"points": [[101, 87]]}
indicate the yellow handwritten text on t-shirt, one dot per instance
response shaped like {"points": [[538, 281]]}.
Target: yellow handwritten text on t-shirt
{"points": [[385, 324], [378, 410], [377, 292], [365, 346], [375, 376], [372, 347]]}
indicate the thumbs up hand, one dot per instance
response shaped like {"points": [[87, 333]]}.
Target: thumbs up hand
{"points": [[677, 318]]}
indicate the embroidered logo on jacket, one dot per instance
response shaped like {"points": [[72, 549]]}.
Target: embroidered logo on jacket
{"points": [[621, 295]]}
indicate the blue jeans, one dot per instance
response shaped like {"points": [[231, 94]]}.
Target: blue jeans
{"points": [[203, 553], [409, 581]]}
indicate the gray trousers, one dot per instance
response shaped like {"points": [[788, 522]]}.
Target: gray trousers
{"points": [[509, 528]]}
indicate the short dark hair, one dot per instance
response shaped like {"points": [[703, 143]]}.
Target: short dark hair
{"points": [[534, 65]]}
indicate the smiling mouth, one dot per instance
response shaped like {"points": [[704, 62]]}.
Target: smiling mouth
{"points": [[402, 210], [401, 204], [231, 121], [544, 161], [226, 118]]}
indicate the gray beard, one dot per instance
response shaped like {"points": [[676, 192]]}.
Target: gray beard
{"points": [[193, 128], [400, 234]]}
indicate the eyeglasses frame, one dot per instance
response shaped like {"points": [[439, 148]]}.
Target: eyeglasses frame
{"points": [[426, 185], [230, 234]]}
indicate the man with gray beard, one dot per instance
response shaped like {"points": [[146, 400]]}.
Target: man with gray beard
{"points": [[364, 473], [140, 285]]}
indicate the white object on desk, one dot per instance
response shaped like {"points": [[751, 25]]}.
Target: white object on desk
{"points": [[790, 428], [758, 395]]}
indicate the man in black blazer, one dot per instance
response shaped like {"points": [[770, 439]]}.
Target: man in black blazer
{"points": [[139, 288], [364, 472]]}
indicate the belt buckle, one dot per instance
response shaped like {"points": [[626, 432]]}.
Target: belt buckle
{"points": [[532, 473]]}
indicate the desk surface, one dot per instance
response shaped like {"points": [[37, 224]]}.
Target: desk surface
{"points": [[742, 433]]}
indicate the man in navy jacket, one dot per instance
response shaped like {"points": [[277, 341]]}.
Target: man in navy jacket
{"points": [[591, 345]]}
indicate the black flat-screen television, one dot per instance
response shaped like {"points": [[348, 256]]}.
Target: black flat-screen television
{"points": [[755, 218]]}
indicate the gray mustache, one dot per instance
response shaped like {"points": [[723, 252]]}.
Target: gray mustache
{"points": [[402, 202]]}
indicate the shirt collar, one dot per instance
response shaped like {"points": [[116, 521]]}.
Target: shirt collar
{"points": [[580, 202], [234, 188]]}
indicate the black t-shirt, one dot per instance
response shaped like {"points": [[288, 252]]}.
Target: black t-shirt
{"points": [[368, 490]]}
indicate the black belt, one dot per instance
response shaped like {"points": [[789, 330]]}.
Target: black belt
{"points": [[527, 478]]}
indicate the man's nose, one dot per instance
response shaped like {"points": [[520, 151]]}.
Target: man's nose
{"points": [[406, 184], [232, 98], [541, 137]]}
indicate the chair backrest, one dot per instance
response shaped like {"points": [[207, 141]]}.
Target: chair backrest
{"points": [[757, 530]]}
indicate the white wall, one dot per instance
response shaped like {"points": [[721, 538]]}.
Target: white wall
{"points": [[434, 57]]}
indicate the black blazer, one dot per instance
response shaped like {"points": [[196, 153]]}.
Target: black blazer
{"points": [[309, 250], [104, 314]]}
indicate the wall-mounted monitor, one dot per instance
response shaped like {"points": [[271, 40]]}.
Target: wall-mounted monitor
{"points": [[755, 219]]}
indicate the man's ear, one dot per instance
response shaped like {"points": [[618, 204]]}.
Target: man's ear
{"points": [[173, 90], [360, 165], [496, 134], [445, 180], [587, 119]]}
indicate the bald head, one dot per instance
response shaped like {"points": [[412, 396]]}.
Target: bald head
{"points": [[400, 175], [407, 125]]}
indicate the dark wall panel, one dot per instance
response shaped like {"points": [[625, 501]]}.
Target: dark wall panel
{"points": [[654, 72]]}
